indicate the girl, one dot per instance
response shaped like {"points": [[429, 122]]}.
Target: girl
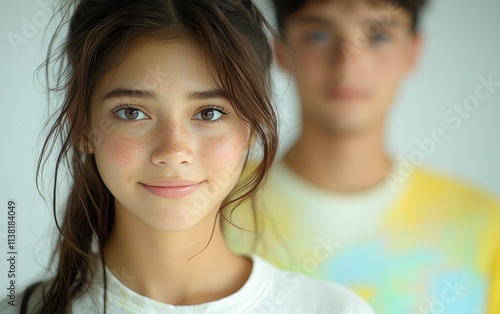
{"points": [[162, 101]]}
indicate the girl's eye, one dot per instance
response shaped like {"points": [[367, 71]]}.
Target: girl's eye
{"points": [[130, 114], [210, 114]]}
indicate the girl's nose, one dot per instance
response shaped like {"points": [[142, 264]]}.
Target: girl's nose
{"points": [[173, 147]]}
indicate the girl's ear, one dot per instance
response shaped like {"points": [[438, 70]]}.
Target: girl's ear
{"points": [[85, 146]]}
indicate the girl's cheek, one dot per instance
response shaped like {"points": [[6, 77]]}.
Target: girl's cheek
{"points": [[120, 150], [228, 148]]}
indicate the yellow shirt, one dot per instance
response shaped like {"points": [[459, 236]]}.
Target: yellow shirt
{"points": [[426, 245]]}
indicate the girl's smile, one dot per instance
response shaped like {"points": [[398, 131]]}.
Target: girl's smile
{"points": [[172, 189]]}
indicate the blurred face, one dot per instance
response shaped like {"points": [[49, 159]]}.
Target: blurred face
{"points": [[169, 146], [348, 60]]}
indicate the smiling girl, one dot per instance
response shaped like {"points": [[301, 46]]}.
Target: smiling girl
{"points": [[163, 100]]}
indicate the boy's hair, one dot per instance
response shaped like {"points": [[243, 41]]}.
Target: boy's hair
{"points": [[286, 8]]}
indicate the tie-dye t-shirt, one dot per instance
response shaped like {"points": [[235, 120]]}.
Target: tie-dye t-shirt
{"points": [[416, 243]]}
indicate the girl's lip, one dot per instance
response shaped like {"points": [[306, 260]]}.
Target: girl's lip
{"points": [[171, 183], [172, 189]]}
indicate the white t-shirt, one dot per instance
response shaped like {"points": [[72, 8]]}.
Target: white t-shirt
{"points": [[268, 290]]}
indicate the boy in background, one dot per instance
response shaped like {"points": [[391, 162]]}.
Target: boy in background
{"points": [[337, 206]]}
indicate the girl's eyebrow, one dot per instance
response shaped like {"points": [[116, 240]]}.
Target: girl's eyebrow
{"points": [[209, 94], [132, 93], [145, 94]]}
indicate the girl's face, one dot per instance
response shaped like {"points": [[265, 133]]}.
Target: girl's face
{"points": [[167, 144]]}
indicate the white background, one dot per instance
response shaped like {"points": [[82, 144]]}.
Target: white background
{"points": [[462, 43]]}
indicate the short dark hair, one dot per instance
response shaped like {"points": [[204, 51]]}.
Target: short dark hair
{"points": [[285, 8]]}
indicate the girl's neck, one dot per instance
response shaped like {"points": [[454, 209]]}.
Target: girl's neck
{"points": [[179, 268]]}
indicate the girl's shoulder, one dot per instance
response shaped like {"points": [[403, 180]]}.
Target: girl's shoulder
{"points": [[289, 292]]}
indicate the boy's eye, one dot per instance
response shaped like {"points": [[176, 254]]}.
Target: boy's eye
{"points": [[209, 114], [319, 37], [379, 38], [131, 114]]}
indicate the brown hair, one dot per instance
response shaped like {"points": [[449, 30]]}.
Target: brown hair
{"points": [[285, 8], [232, 35]]}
